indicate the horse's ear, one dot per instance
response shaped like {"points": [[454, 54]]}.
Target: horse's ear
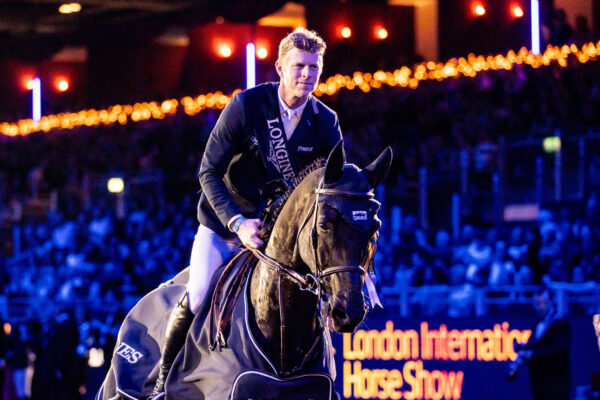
{"points": [[378, 169], [335, 163]]}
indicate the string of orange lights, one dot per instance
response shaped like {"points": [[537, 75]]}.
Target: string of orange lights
{"points": [[403, 77]]}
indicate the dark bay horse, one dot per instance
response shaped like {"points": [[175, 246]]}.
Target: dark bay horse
{"points": [[273, 342]]}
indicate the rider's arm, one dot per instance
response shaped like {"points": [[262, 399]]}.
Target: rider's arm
{"points": [[224, 142]]}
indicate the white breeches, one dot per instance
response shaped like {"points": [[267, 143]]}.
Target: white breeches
{"points": [[209, 252]]}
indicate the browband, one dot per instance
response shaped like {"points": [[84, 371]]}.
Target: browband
{"points": [[345, 193]]}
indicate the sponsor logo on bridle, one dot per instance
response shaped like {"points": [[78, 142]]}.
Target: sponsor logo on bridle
{"points": [[359, 215], [129, 353], [278, 154]]}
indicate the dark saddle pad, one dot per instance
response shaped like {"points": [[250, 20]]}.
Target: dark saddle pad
{"points": [[198, 372]]}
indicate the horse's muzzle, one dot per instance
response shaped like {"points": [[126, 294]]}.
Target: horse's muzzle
{"points": [[346, 315]]}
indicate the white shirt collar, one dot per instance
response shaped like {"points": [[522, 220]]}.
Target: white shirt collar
{"points": [[283, 108]]}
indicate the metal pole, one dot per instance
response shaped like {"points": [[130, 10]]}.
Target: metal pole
{"points": [[464, 172], [16, 234], [480, 302], [36, 100], [539, 180], [404, 305], [581, 165], [455, 216], [535, 27], [501, 164], [558, 175], [120, 205], [423, 200], [250, 65], [464, 180], [497, 201], [396, 225], [562, 301]]}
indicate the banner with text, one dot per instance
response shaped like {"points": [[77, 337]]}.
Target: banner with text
{"points": [[388, 357]]}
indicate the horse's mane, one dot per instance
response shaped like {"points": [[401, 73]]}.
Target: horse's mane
{"points": [[275, 204]]}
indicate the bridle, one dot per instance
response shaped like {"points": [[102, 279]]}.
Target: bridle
{"points": [[322, 272], [312, 283]]}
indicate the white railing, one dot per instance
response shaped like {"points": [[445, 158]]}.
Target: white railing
{"points": [[456, 301], [25, 308], [440, 300]]}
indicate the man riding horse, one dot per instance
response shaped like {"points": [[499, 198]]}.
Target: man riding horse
{"points": [[268, 133], [265, 331]]}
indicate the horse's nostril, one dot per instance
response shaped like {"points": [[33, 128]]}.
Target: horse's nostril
{"points": [[339, 315]]}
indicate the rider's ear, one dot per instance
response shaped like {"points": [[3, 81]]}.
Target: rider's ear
{"points": [[378, 169], [335, 163]]}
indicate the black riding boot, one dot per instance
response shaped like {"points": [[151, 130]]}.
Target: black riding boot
{"points": [[179, 323]]}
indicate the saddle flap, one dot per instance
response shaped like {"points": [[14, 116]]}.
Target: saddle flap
{"points": [[263, 386]]}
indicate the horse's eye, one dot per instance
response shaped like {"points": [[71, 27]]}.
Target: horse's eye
{"points": [[327, 217], [325, 225]]}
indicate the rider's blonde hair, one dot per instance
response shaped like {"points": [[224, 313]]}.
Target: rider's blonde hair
{"points": [[302, 39]]}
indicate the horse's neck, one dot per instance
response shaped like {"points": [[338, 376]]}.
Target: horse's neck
{"points": [[299, 307], [299, 311]]}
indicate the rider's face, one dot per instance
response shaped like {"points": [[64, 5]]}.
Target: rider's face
{"points": [[299, 72]]}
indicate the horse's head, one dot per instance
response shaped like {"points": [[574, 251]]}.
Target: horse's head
{"points": [[339, 232]]}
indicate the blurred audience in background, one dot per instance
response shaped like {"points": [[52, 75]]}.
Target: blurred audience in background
{"points": [[66, 241]]}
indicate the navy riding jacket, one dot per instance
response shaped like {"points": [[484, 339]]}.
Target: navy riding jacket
{"points": [[248, 148]]}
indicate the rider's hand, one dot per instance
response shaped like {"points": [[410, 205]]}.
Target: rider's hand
{"points": [[249, 233]]}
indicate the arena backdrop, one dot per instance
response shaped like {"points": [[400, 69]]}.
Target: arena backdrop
{"points": [[390, 357]]}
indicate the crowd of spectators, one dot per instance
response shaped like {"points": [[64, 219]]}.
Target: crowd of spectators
{"points": [[425, 125], [80, 256], [62, 226], [557, 247]]}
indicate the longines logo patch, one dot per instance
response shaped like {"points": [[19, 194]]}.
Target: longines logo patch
{"points": [[278, 154]]}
